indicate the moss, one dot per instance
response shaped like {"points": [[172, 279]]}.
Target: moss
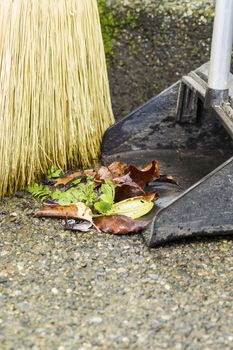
{"points": [[111, 23], [109, 28]]}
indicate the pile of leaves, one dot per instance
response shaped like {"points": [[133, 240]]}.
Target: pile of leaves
{"points": [[109, 198]]}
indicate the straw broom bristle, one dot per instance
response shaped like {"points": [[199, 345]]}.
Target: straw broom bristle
{"points": [[55, 102]]}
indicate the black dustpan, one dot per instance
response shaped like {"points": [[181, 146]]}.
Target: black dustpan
{"points": [[188, 128]]}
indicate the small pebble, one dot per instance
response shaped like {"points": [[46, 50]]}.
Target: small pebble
{"points": [[54, 291]]}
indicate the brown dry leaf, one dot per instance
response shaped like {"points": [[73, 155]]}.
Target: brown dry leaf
{"points": [[111, 171], [103, 173], [119, 224], [149, 166], [65, 180], [126, 188], [83, 211], [117, 168], [146, 175], [114, 170], [100, 175], [127, 191], [74, 211]]}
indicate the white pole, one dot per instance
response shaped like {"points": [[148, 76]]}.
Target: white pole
{"points": [[221, 47]]}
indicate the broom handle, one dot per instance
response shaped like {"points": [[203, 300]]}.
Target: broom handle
{"points": [[220, 58]]}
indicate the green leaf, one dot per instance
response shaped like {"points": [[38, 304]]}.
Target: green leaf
{"points": [[76, 181], [39, 191], [83, 192], [65, 201], [107, 198], [53, 172], [65, 198], [102, 207], [132, 207], [108, 192], [87, 192]]}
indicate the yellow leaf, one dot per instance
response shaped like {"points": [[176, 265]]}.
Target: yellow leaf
{"points": [[132, 207]]}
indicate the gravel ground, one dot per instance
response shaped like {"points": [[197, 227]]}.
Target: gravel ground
{"points": [[156, 44], [63, 290]]}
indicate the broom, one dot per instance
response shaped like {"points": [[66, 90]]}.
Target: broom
{"points": [[55, 102]]}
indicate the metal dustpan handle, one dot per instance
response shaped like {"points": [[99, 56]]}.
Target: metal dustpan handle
{"points": [[220, 58]]}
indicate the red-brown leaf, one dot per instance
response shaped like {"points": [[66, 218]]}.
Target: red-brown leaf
{"points": [[119, 224], [126, 188], [146, 175], [73, 211], [127, 191]]}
